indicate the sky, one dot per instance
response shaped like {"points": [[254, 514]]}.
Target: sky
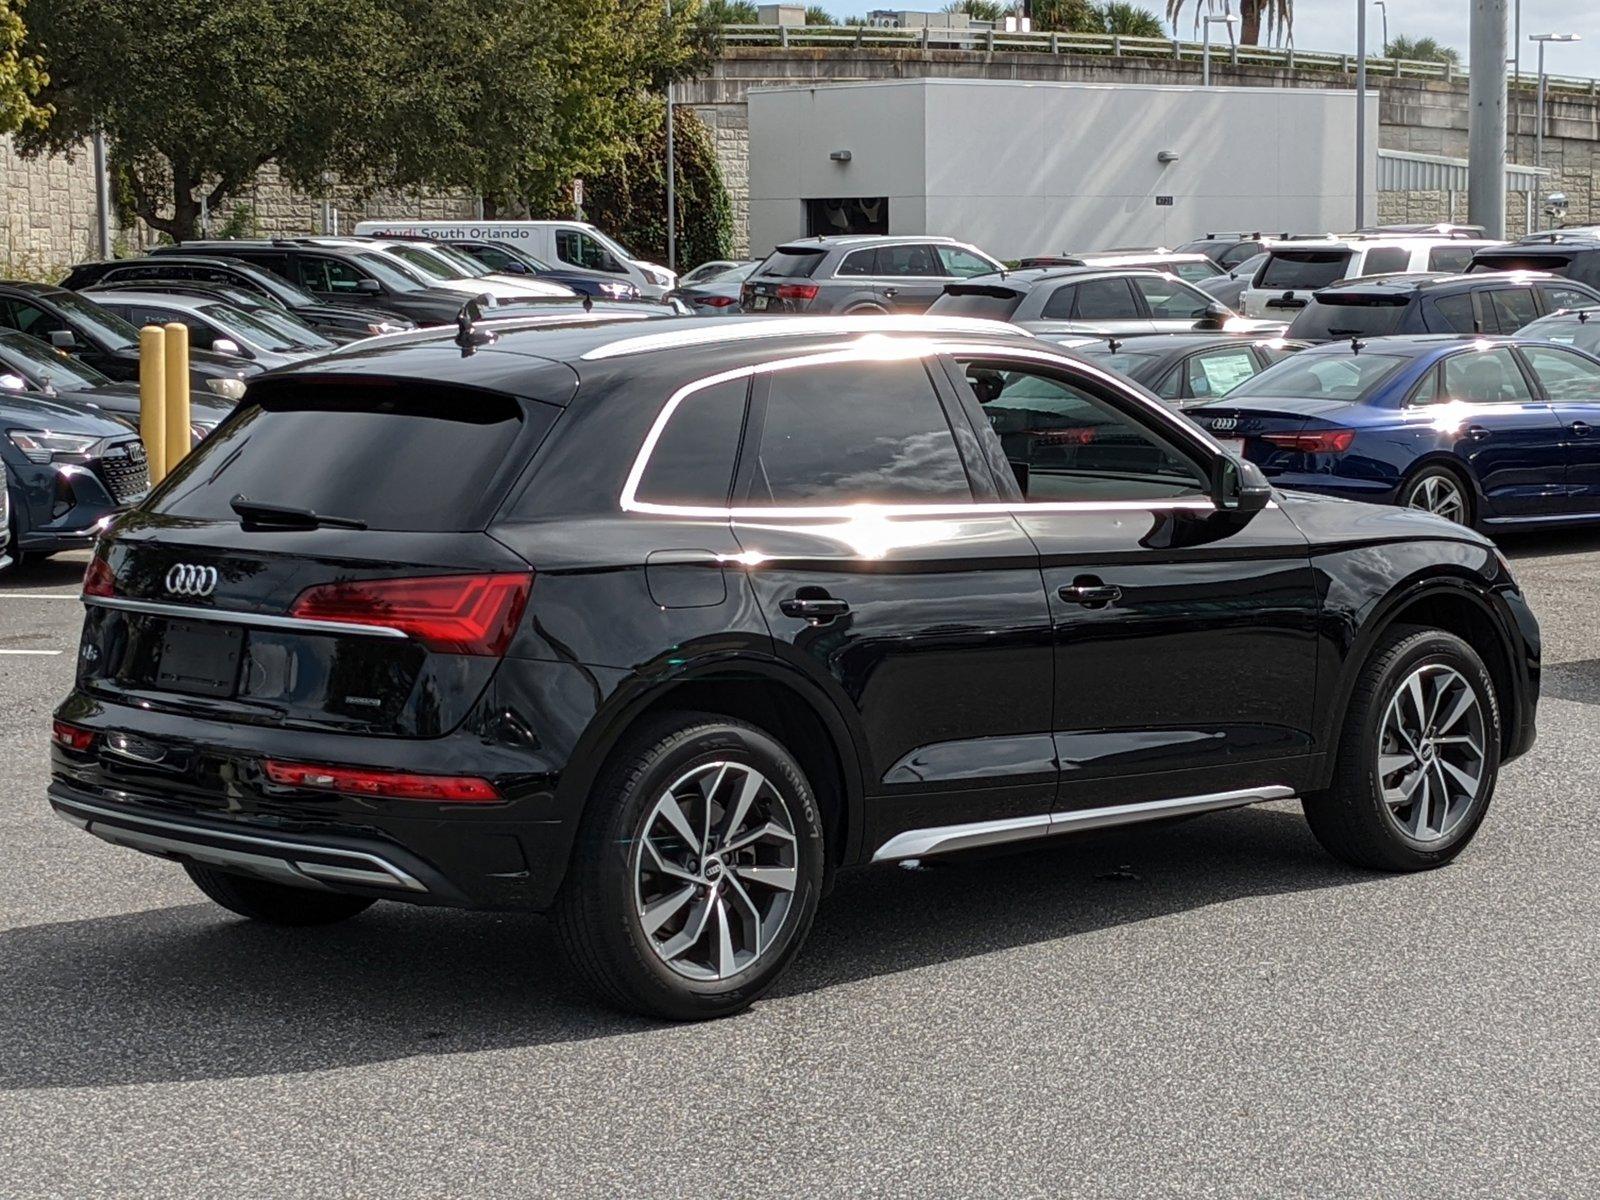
{"points": [[1330, 25]]}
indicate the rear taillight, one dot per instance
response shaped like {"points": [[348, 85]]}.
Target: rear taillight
{"points": [[394, 785], [98, 578], [71, 737], [798, 291], [1325, 441], [715, 301], [451, 614]]}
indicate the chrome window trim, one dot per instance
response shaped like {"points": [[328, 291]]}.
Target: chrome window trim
{"points": [[871, 348], [915, 843], [235, 617], [768, 327]]}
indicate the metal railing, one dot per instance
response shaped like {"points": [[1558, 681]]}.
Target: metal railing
{"points": [[798, 37]]}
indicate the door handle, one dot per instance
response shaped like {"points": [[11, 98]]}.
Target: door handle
{"points": [[1477, 432], [890, 291], [1580, 429], [813, 608], [1090, 595]]}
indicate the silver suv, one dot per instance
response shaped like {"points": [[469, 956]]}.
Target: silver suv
{"points": [[1296, 268], [864, 273]]}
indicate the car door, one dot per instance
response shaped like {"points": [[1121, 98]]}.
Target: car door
{"points": [[909, 277], [1172, 306], [1570, 382], [919, 611], [1185, 636], [1510, 437]]}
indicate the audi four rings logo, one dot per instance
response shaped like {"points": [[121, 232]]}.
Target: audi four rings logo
{"points": [[1225, 423], [188, 579]]}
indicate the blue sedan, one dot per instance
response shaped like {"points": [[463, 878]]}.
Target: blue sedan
{"points": [[1484, 431]]}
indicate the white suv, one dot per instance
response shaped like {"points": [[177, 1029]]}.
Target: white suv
{"points": [[1294, 269]]}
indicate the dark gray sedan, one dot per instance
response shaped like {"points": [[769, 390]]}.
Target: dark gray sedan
{"points": [[1187, 368]]}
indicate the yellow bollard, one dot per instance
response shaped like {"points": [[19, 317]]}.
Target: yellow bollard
{"points": [[153, 399], [178, 435]]}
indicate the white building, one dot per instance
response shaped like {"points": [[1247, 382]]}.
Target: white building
{"points": [[1026, 168]]}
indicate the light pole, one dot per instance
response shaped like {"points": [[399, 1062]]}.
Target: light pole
{"points": [[1227, 19], [1384, 5], [1361, 113], [672, 173], [1538, 129]]}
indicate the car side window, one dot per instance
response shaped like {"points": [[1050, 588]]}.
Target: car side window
{"points": [[1513, 307], [1235, 255], [1557, 295], [963, 264], [1170, 386], [579, 249], [1106, 300], [1058, 305], [859, 262], [1563, 374], [692, 460], [30, 319], [1485, 377], [855, 433], [1217, 372], [1386, 260], [1427, 391], [1075, 446], [1454, 259], [916, 260], [1170, 300], [1454, 314]]}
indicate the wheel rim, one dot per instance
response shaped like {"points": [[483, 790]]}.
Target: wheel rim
{"points": [[1431, 760], [716, 870], [1440, 495]]}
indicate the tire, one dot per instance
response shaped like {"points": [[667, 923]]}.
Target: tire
{"points": [[866, 310], [1353, 819], [1442, 491], [631, 869], [274, 903]]}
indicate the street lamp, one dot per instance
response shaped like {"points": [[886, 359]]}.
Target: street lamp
{"points": [[1538, 129], [1227, 19], [1384, 5], [672, 172], [1361, 112]]}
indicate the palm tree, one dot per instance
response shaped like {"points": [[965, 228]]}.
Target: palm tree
{"points": [[980, 10], [1129, 20], [817, 15], [1275, 17], [1067, 16], [1421, 50]]}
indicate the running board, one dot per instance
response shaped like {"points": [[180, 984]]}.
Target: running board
{"points": [[918, 843]]}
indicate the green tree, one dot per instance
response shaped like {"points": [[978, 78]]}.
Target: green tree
{"points": [[1067, 16], [1275, 18], [817, 15], [1421, 50], [22, 74], [730, 12], [629, 198], [1129, 20], [980, 10]]}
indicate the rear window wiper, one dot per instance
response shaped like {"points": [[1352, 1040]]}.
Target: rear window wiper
{"points": [[255, 515]]}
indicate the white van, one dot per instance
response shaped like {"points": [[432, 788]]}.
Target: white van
{"points": [[574, 243], [1297, 267]]}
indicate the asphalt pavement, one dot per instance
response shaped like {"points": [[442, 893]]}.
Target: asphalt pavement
{"points": [[1209, 1009]]}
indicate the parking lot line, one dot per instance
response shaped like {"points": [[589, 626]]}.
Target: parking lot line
{"points": [[36, 652], [38, 595]]}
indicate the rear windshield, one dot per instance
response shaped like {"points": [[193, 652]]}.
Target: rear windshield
{"points": [[1348, 317], [996, 304], [1321, 376], [1521, 262], [791, 263], [408, 458], [1303, 269]]}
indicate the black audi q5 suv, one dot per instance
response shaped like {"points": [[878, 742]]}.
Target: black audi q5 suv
{"points": [[657, 625]]}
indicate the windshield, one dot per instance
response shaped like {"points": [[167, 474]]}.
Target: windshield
{"points": [[1127, 362], [281, 290], [1320, 320], [1297, 270], [396, 274], [1343, 376], [425, 261], [460, 258], [108, 328], [45, 364], [257, 333]]}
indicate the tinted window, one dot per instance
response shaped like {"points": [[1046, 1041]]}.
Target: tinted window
{"points": [[1513, 308], [1485, 377], [1193, 272], [859, 262], [1302, 269], [328, 275], [1427, 392], [964, 263], [42, 362], [1556, 295], [1343, 376], [791, 264], [856, 433], [1235, 255], [396, 458], [907, 260], [1520, 261], [692, 461], [1171, 300], [1563, 374], [1218, 372], [1454, 259], [1386, 260], [1124, 361], [1321, 321], [580, 249], [996, 304], [1077, 447], [1058, 305], [1105, 300], [1453, 314]]}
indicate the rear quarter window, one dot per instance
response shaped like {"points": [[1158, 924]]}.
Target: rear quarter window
{"points": [[691, 462]]}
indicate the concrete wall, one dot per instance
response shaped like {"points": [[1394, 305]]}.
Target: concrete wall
{"points": [[1024, 167]]}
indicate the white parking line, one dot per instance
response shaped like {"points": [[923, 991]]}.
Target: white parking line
{"points": [[39, 652], [38, 595]]}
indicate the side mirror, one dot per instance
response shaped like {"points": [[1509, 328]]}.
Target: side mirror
{"points": [[63, 339], [13, 383], [228, 346], [369, 287], [1216, 315], [515, 268], [1238, 486]]}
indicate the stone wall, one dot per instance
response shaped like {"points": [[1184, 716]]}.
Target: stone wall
{"points": [[47, 213]]}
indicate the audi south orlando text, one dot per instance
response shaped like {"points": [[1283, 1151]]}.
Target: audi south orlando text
{"points": [[658, 628]]}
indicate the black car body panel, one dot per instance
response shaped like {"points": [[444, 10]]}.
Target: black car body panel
{"points": [[964, 682], [1481, 302]]}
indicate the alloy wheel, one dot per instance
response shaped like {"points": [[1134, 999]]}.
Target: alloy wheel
{"points": [[716, 870], [1431, 759], [1441, 495]]}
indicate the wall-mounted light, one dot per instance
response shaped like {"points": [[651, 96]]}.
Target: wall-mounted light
{"points": [[1167, 156], [840, 156]]}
